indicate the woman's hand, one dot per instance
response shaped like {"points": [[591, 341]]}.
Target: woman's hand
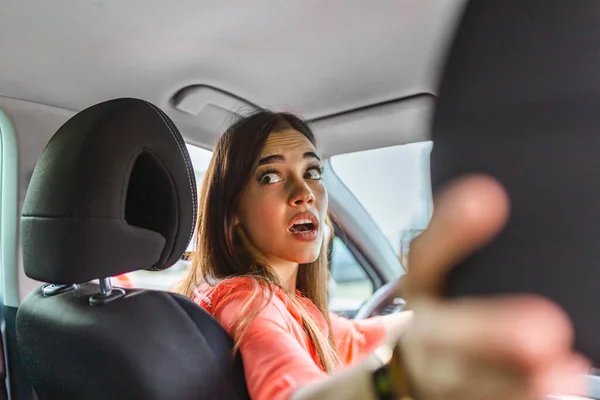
{"points": [[501, 348]]}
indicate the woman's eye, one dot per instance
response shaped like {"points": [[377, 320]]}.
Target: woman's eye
{"points": [[270, 178], [313, 174]]}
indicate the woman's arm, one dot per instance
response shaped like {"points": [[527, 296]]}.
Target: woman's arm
{"points": [[356, 382], [276, 362], [351, 384], [395, 325], [356, 339]]}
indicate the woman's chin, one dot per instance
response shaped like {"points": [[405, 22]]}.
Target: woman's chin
{"points": [[301, 253], [300, 256], [305, 258]]}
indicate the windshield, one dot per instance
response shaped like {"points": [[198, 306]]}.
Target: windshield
{"points": [[394, 187]]}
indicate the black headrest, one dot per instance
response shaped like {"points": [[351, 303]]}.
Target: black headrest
{"points": [[520, 100], [114, 191]]}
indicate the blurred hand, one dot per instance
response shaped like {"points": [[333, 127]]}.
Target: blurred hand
{"points": [[493, 348]]}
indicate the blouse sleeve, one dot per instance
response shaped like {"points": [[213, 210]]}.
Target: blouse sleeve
{"points": [[275, 363], [356, 339]]}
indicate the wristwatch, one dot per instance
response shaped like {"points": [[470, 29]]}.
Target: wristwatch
{"points": [[390, 380]]}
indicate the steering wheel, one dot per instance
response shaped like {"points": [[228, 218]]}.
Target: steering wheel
{"points": [[384, 301]]}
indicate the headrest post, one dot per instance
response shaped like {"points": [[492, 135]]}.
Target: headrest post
{"points": [[107, 293], [105, 286]]}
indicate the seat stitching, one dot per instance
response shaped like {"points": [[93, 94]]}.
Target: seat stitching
{"points": [[159, 112]]}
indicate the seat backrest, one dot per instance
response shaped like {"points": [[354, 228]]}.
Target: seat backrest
{"points": [[520, 101], [114, 192]]}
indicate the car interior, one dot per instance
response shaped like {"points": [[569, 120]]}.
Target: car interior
{"points": [[88, 310]]}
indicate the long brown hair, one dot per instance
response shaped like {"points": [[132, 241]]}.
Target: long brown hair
{"points": [[220, 253]]}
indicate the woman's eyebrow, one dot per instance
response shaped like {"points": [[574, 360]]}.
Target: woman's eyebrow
{"points": [[275, 158], [278, 158], [312, 154]]}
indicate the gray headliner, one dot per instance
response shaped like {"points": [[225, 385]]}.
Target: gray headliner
{"points": [[317, 58], [341, 63]]}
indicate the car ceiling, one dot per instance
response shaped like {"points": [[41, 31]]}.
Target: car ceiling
{"points": [[316, 58], [362, 72]]}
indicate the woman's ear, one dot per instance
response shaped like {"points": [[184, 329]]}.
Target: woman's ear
{"points": [[236, 220]]}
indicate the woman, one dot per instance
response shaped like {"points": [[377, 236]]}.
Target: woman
{"points": [[261, 271]]}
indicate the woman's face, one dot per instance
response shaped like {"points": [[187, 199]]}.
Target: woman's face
{"points": [[282, 209]]}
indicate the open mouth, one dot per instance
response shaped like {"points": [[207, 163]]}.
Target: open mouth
{"points": [[303, 226]]}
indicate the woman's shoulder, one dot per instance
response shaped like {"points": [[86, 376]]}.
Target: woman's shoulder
{"points": [[233, 285], [210, 296]]}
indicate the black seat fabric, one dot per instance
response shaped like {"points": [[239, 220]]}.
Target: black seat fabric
{"points": [[520, 101], [114, 192]]}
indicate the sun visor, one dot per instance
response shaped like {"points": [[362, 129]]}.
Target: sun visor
{"points": [[397, 122]]}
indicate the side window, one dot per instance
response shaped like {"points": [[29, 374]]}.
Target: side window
{"points": [[9, 218], [350, 285], [164, 280], [394, 186]]}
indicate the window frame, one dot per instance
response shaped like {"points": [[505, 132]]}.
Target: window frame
{"points": [[9, 214], [370, 271], [360, 231]]}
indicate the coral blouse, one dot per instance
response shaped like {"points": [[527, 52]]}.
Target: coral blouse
{"points": [[277, 353]]}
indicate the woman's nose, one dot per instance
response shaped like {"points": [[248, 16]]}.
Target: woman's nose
{"points": [[301, 194]]}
